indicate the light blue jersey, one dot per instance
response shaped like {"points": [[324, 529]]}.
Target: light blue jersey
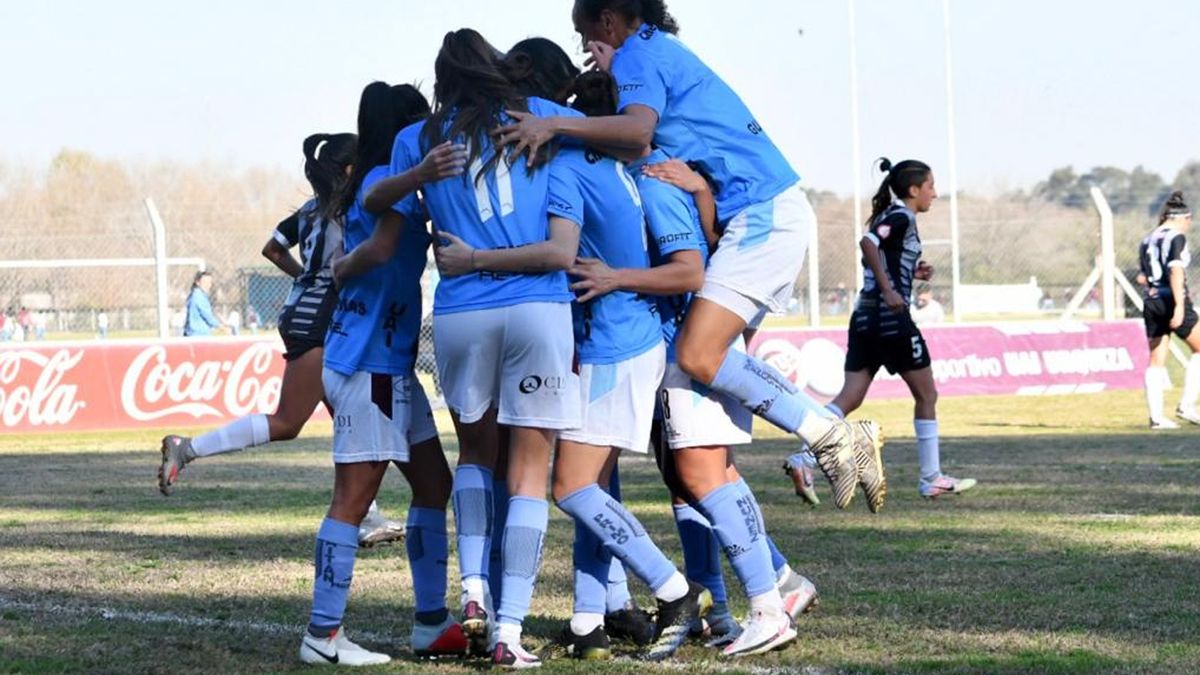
{"points": [[506, 208], [674, 225], [378, 317], [595, 192], [700, 119]]}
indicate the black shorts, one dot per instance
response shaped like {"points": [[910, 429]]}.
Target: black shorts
{"points": [[303, 325], [900, 350], [1157, 315]]}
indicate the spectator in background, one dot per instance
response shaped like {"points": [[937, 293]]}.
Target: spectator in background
{"points": [[234, 320], [25, 321], [925, 310], [6, 324], [200, 319], [1047, 302], [39, 326], [102, 324], [253, 321]]}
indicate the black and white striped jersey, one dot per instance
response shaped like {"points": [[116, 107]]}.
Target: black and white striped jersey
{"points": [[1161, 250], [895, 233], [317, 238]]}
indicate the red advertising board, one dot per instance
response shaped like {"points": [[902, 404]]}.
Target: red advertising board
{"points": [[119, 384], [1002, 358]]}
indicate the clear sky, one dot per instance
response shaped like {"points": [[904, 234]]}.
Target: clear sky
{"points": [[1038, 83]]}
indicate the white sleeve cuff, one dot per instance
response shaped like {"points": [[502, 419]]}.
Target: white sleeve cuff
{"points": [[278, 236], [870, 236]]}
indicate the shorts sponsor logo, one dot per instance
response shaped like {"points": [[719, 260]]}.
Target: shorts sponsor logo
{"points": [[534, 383]]}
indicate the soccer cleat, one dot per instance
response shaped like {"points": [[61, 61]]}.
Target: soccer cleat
{"points": [[836, 457], [799, 468], [176, 453], [476, 626], [1162, 424], [441, 639], [868, 446], [944, 485], [719, 626], [1187, 415], [675, 619], [513, 656], [630, 623], [799, 594], [761, 633], [376, 529], [337, 650], [591, 647]]}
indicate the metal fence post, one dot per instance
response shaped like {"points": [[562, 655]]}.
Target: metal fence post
{"points": [[160, 267], [1108, 256]]}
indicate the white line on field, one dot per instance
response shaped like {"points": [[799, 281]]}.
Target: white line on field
{"points": [[111, 614]]}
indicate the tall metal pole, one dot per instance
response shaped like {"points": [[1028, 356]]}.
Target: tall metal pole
{"points": [[160, 267], [955, 267], [855, 145]]}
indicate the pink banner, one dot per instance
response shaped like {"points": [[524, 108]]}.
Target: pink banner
{"points": [[1003, 358], [120, 384]]}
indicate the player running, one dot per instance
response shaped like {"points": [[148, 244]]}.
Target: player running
{"points": [[302, 325], [1163, 256], [670, 98], [882, 332], [502, 334], [382, 414]]}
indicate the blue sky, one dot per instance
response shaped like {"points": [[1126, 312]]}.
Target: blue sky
{"points": [[1038, 83]]}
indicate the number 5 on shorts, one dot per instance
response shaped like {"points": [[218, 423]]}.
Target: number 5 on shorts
{"points": [[918, 347]]}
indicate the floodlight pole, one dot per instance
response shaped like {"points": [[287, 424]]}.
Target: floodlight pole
{"points": [[160, 267], [955, 267], [1108, 256], [855, 145]]}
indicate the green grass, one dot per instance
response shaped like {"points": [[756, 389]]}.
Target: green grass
{"points": [[1078, 552]]}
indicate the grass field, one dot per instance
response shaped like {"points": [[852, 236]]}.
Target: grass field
{"points": [[1079, 552]]}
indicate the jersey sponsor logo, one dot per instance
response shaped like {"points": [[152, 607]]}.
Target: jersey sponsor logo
{"points": [[533, 383], [672, 238], [353, 306], [626, 88], [883, 231], [46, 400], [754, 128], [559, 205], [648, 33], [592, 156], [153, 388]]}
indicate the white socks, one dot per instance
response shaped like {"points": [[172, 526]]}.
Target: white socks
{"points": [[813, 427], [675, 588], [583, 623], [1156, 383], [927, 448], [770, 602], [241, 433], [1191, 385]]}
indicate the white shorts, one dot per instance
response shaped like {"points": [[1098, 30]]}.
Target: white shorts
{"points": [[760, 255], [377, 418], [695, 416], [619, 408], [517, 359]]}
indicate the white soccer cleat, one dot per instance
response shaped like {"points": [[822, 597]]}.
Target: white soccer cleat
{"points": [[799, 594], [1187, 415], [512, 656], [337, 650], [1162, 424], [761, 633], [799, 467], [376, 529], [176, 453], [437, 640], [945, 485]]}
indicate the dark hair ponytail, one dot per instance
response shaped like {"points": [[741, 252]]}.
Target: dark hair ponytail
{"points": [[595, 94], [653, 12], [470, 95], [897, 181], [539, 67], [383, 110], [326, 157], [1174, 207]]}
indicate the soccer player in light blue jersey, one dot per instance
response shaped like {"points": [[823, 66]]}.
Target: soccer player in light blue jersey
{"points": [[669, 97], [713, 503], [502, 329], [381, 413]]}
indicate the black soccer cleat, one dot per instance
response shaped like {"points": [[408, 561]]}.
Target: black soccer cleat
{"points": [[675, 619]]}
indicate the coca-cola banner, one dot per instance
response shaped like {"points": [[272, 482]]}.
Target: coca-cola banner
{"points": [[47, 386], [1002, 358]]}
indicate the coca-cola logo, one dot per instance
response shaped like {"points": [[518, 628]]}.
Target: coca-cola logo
{"points": [[47, 400], [154, 388]]}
